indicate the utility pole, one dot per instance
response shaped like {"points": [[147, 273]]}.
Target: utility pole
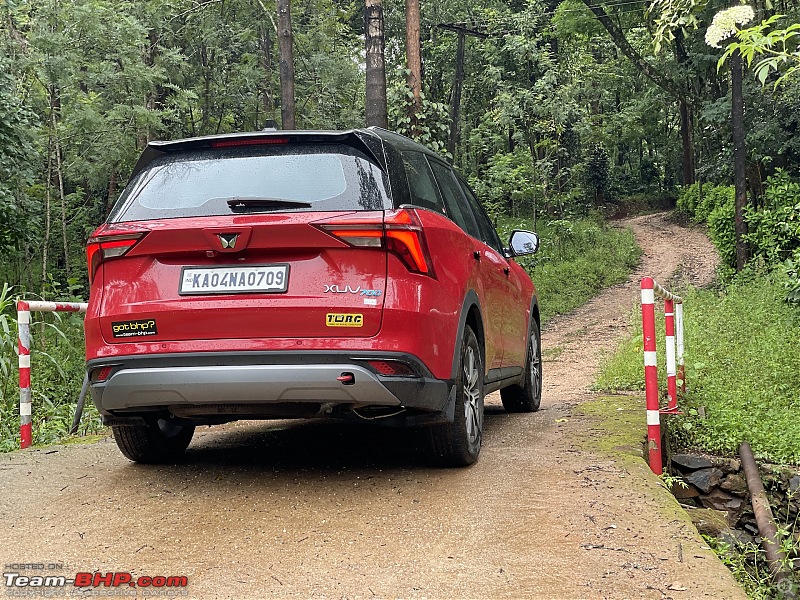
{"points": [[413, 62], [376, 112], [458, 81], [285, 42]]}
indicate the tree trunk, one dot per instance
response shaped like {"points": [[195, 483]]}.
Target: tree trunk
{"points": [[267, 101], [687, 116], [62, 196], [687, 143], [413, 62], [49, 185], [48, 188], [285, 42], [455, 105], [376, 112], [739, 158], [206, 111]]}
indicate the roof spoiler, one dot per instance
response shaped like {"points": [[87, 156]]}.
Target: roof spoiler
{"points": [[364, 141]]}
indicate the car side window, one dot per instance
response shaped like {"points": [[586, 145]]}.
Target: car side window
{"points": [[421, 184], [454, 201], [488, 232]]}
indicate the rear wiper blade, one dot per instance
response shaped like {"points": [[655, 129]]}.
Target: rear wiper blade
{"points": [[245, 202]]}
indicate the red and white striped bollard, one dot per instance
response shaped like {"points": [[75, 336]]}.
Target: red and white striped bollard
{"points": [[651, 376], [679, 334], [669, 325], [24, 348]]}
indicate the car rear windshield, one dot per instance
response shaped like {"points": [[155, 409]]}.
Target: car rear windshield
{"points": [[253, 179]]}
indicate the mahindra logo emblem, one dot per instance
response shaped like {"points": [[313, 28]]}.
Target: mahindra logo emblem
{"points": [[228, 240]]}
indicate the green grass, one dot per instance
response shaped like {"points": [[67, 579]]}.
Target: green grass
{"points": [[624, 370], [742, 369], [576, 260]]}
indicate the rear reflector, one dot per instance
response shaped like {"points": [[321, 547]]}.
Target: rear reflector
{"points": [[392, 368], [250, 142], [101, 374]]}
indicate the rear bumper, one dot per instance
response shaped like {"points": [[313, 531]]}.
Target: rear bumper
{"points": [[250, 384]]}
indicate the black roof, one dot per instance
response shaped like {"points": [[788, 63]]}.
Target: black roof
{"points": [[367, 140]]}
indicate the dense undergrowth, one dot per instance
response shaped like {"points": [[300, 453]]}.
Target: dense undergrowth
{"points": [[577, 258]]}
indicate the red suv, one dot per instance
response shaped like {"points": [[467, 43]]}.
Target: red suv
{"points": [[305, 274]]}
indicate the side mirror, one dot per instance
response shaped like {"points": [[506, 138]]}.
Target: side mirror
{"points": [[522, 243]]}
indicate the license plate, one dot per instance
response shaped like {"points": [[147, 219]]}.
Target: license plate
{"points": [[234, 280]]}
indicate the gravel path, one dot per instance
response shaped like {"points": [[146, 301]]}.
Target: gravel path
{"points": [[329, 510]]}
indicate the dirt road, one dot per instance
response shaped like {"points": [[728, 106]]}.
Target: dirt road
{"points": [[558, 506]]}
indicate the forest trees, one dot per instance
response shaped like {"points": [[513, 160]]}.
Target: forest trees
{"points": [[546, 89]]}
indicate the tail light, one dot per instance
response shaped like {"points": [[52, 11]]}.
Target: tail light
{"points": [[399, 231], [110, 243]]}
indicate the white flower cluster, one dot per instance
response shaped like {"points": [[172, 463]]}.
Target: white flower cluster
{"points": [[725, 21]]}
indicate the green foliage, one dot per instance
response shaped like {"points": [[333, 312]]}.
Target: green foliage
{"points": [[715, 206], [673, 15], [748, 565], [7, 351], [698, 201], [742, 352], [791, 282], [671, 481], [776, 49], [721, 230], [16, 160], [774, 228], [431, 128], [577, 258], [508, 184], [624, 369], [688, 199]]}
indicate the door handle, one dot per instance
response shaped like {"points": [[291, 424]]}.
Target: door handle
{"points": [[476, 255], [506, 270]]}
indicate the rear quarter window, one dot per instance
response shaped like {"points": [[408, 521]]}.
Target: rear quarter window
{"points": [[421, 184], [330, 177]]}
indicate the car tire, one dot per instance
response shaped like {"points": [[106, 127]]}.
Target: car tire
{"points": [[458, 444], [157, 442], [527, 397]]}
